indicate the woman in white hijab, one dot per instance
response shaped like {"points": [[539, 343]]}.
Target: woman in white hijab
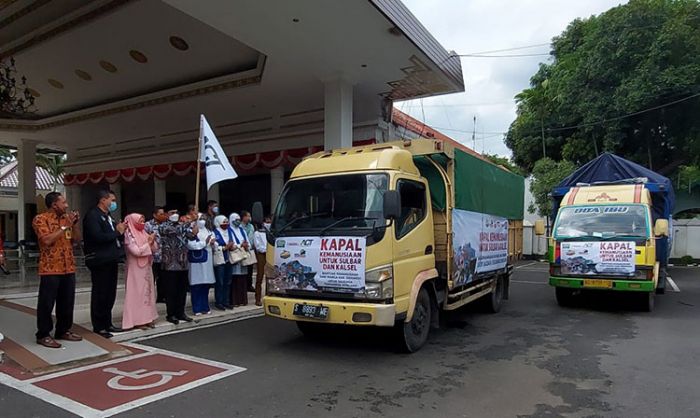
{"points": [[239, 283], [201, 258], [222, 268]]}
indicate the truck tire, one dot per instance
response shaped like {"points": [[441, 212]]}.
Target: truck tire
{"points": [[565, 296], [661, 285], [646, 301], [412, 335], [494, 300], [311, 330]]}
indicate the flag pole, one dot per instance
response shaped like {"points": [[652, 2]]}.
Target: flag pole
{"points": [[199, 166]]}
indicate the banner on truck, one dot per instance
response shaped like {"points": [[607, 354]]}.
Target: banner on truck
{"points": [[598, 257], [480, 244], [331, 264]]}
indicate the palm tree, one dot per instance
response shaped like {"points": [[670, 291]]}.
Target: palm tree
{"points": [[53, 163]]}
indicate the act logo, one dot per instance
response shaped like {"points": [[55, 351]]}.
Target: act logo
{"points": [[307, 242]]}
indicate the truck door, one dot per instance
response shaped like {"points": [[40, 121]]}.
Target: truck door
{"points": [[413, 231]]}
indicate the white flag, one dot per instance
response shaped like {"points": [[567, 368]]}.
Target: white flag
{"points": [[212, 155]]}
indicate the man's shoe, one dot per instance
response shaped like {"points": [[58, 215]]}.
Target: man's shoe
{"points": [[112, 328], [172, 320], [69, 336], [48, 342], [219, 307], [105, 334], [185, 318], [229, 307]]}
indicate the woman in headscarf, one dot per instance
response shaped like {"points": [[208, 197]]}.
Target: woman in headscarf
{"points": [[140, 299], [239, 283], [201, 267], [222, 267]]}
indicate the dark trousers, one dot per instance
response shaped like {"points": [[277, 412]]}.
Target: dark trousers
{"points": [[259, 277], [249, 278], [199, 293], [56, 290], [103, 295], [176, 285], [222, 287], [239, 290], [158, 281]]}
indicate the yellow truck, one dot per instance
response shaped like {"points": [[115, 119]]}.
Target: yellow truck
{"points": [[611, 233], [389, 235]]}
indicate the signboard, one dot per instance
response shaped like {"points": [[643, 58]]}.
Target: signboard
{"points": [[479, 243], [598, 257], [332, 264]]}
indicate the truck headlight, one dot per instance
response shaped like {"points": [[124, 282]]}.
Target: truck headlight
{"points": [[379, 283]]}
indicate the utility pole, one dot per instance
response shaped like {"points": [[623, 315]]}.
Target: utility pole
{"points": [[474, 135], [544, 148]]}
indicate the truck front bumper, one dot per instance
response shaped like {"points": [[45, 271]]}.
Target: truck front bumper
{"points": [[616, 284], [383, 315]]}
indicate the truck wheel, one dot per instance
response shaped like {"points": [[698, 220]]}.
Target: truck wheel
{"points": [[565, 296], [646, 301], [413, 335], [310, 330], [494, 300], [661, 285]]}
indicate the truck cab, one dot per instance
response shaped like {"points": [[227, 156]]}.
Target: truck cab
{"points": [[603, 238]]}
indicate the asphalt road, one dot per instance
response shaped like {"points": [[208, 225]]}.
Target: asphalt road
{"points": [[534, 359]]}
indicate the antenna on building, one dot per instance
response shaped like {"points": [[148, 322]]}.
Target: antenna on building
{"points": [[474, 135]]}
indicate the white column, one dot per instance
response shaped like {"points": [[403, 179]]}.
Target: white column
{"points": [[337, 114], [26, 173], [159, 192], [116, 188], [213, 193], [276, 185]]}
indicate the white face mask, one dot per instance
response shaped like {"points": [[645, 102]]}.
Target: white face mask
{"points": [[174, 217], [201, 223], [267, 226]]}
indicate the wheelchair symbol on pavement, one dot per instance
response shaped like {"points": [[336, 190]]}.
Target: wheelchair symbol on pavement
{"points": [[165, 377]]}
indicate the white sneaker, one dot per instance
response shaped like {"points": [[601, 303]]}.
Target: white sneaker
{"points": [[198, 314]]}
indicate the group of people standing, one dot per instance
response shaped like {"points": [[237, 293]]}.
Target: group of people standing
{"points": [[164, 257]]}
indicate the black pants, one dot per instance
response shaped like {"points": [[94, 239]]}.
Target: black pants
{"points": [[249, 279], [56, 290], [158, 280], [103, 295], [176, 284]]}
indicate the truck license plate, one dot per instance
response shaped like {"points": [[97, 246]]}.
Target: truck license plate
{"points": [[310, 311], [607, 284]]}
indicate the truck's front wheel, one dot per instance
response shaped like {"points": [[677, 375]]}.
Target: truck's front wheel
{"points": [[412, 335], [565, 296], [646, 301]]}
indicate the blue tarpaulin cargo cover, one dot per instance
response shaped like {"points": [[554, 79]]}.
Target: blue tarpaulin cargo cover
{"points": [[610, 168]]}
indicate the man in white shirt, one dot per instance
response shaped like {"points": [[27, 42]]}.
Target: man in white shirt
{"points": [[260, 243]]}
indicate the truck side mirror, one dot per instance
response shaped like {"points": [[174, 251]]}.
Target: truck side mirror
{"points": [[257, 213], [661, 228], [392, 204], [539, 227]]}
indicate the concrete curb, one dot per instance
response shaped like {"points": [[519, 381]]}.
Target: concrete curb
{"points": [[205, 321]]}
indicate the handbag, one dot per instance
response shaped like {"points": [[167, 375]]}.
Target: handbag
{"points": [[237, 255], [218, 256], [197, 256], [250, 260]]}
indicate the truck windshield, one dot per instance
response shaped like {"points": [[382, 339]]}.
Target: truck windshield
{"points": [[342, 202], [602, 222]]}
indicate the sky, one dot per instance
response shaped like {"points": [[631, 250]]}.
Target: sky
{"points": [[469, 26]]}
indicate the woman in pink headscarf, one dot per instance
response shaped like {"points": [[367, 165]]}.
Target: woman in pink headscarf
{"points": [[140, 300]]}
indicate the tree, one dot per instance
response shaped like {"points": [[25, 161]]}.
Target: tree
{"points": [[504, 162], [626, 81], [53, 163], [546, 174]]}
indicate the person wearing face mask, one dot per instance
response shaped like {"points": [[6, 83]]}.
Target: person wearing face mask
{"points": [[212, 212], [223, 270], [260, 242], [140, 298], [103, 251], [239, 280], [57, 231], [175, 266], [201, 266]]}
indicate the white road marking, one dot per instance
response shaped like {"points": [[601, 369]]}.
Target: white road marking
{"points": [[81, 410], [527, 282], [673, 284], [526, 265]]}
